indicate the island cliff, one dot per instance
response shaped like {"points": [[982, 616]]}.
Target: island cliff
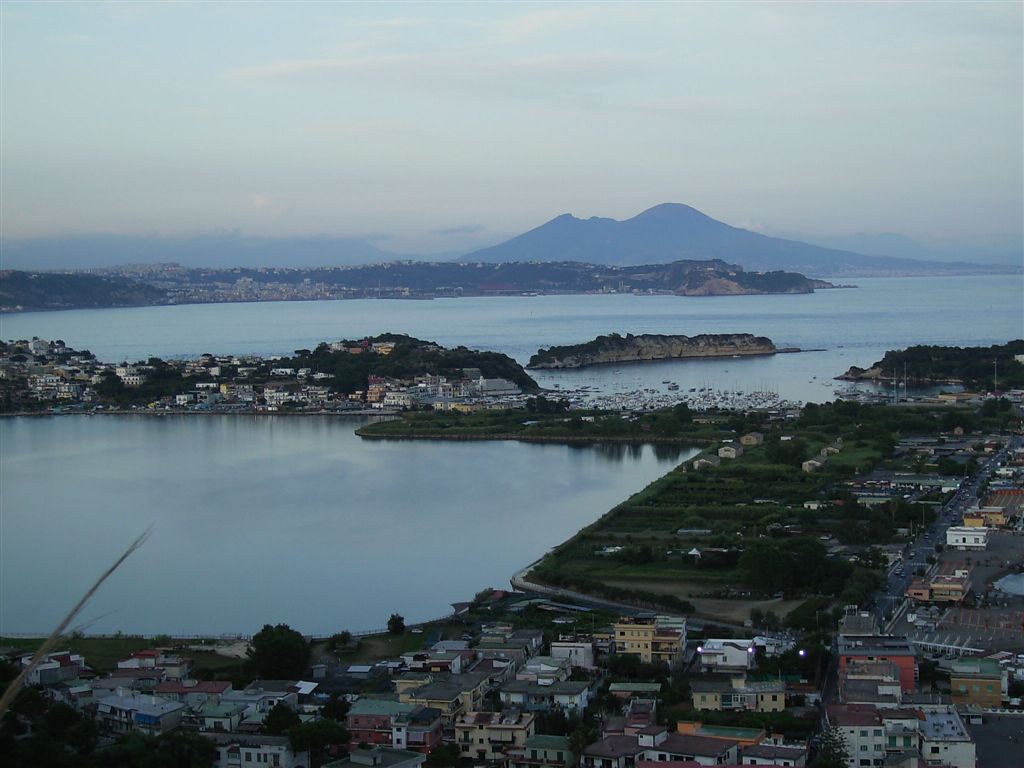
{"points": [[633, 349]]}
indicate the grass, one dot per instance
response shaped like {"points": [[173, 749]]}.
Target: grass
{"points": [[377, 647], [101, 653]]}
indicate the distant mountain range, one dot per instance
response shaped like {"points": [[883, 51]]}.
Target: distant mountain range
{"points": [[671, 231], [660, 235]]}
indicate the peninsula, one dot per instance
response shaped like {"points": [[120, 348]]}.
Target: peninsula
{"points": [[145, 285], [1000, 366], [615, 348]]}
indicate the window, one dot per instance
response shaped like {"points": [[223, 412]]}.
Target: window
{"points": [[935, 750], [863, 733], [878, 731]]}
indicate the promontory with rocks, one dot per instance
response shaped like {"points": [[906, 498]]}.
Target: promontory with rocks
{"points": [[615, 348]]}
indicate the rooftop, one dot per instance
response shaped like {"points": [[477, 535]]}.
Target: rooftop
{"points": [[944, 726]]}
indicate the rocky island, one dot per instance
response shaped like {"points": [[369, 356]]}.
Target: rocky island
{"points": [[615, 348]]}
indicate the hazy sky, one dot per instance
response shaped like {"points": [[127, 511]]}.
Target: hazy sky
{"points": [[449, 124]]}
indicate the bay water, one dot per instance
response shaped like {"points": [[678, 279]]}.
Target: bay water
{"points": [[296, 519]]}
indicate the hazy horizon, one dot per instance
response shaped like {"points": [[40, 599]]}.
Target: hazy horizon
{"points": [[443, 128]]}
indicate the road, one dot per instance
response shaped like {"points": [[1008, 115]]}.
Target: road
{"points": [[903, 572]]}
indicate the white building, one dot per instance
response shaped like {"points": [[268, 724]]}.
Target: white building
{"points": [[962, 537], [244, 749], [580, 654], [726, 655], [945, 740]]}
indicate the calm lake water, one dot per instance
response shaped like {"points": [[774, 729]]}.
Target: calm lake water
{"points": [[298, 520], [271, 519]]}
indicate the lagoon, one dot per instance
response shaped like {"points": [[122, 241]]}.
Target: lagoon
{"points": [[280, 519]]}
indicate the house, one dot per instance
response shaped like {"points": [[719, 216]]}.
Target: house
{"points": [[379, 757], [567, 695], [730, 451], [880, 648], [612, 752], [544, 669], [654, 639], [194, 693], [214, 716], [489, 735], [632, 690], [580, 653], [964, 537], [661, 746], [718, 655], [752, 438], [452, 695], [813, 464], [945, 739], [394, 724], [875, 736], [542, 751], [975, 681], [738, 694], [772, 754], [235, 750], [706, 462], [263, 695], [126, 712], [54, 668]]}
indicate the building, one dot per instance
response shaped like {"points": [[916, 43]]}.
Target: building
{"points": [[235, 750], [567, 695], [543, 752], [897, 650], [943, 588], [738, 694], [580, 653], [985, 517], [772, 754], [975, 681], [964, 537], [655, 640], [544, 669], [706, 462], [717, 655], [490, 735], [394, 724], [127, 712], [946, 741], [752, 438], [379, 757], [54, 668], [730, 451]]}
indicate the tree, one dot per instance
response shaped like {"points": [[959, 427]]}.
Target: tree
{"points": [[280, 719], [834, 752], [279, 653], [339, 641], [315, 737], [336, 709], [396, 624]]}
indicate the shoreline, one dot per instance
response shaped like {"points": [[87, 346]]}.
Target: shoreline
{"points": [[566, 440]]}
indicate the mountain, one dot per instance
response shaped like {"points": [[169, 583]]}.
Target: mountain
{"points": [[212, 250], [672, 231], [996, 249], [22, 291]]}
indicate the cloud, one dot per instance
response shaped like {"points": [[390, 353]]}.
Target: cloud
{"points": [[262, 202], [467, 229], [555, 77]]}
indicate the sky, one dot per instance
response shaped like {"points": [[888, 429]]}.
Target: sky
{"points": [[434, 126]]}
